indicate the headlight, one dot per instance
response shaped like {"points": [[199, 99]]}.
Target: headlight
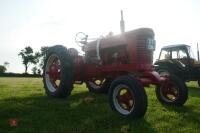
{"points": [[151, 44]]}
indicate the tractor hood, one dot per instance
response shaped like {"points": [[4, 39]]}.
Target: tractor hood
{"points": [[117, 40]]}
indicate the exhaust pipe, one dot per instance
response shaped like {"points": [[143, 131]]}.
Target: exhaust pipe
{"points": [[198, 51], [122, 25]]}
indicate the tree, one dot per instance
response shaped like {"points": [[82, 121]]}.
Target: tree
{"points": [[2, 69], [34, 70], [39, 72], [28, 57], [6, 64], [43, 52]]}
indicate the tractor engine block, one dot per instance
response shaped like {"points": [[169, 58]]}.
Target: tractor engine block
{"points": [[133, 47]]}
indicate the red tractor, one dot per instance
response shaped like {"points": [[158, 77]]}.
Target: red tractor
{"points": [[120, 65]]}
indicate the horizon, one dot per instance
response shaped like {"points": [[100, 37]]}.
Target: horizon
{"points": [[45, 23]]}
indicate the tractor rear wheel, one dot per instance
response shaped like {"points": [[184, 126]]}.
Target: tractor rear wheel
{"points": [[128, 97], [58, 72], [98, 85], [175, 93], [198, 81]]}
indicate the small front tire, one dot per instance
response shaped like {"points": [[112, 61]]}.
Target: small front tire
{"points": [[175, 93], [128, 97]]}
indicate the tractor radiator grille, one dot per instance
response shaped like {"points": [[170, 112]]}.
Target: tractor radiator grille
{"points": [[144, 55]]}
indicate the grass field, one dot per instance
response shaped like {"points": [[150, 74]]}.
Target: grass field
{"points": [[24, 99]]}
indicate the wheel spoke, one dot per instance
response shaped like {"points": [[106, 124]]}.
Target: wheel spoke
{"points": [[96, 83], [54, 72], [126, 99], [170, 92]]}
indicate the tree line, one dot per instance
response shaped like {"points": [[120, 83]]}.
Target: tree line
{"points": [[29, 57], [3, 68], [35, 58]]}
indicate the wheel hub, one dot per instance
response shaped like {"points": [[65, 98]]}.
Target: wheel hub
{"points": [[52, 72], [169, 93], [123, 99], [96, 83]]}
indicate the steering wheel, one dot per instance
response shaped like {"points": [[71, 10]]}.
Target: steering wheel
{"points": [[81, 39]]}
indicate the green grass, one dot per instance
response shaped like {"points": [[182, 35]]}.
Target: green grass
{"points": [[24, 100]]}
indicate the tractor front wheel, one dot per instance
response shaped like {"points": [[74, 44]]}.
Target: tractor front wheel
{"points": [[173, 93], [128, 97], [58, 72]]}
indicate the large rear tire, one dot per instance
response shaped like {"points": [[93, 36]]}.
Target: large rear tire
{"points": [[58, 72], [175, 93], [128, 97]]}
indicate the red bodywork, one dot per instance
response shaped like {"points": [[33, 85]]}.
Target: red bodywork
{"points": [[128, 53]]}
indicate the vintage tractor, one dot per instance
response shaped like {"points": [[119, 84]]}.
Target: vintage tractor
{"points": [[179, 60], [120, 65]]}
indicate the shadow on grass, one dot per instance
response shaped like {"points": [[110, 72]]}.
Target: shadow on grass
{"points": [[194, 91], [80, 113], [187, 112]]}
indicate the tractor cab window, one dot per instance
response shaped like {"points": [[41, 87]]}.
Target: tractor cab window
{"points": [[165, 54], [179, 54], [174, 54], [182, 54], [191, 54]]}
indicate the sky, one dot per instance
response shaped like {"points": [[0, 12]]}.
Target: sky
{"points": [[39, 23]]}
